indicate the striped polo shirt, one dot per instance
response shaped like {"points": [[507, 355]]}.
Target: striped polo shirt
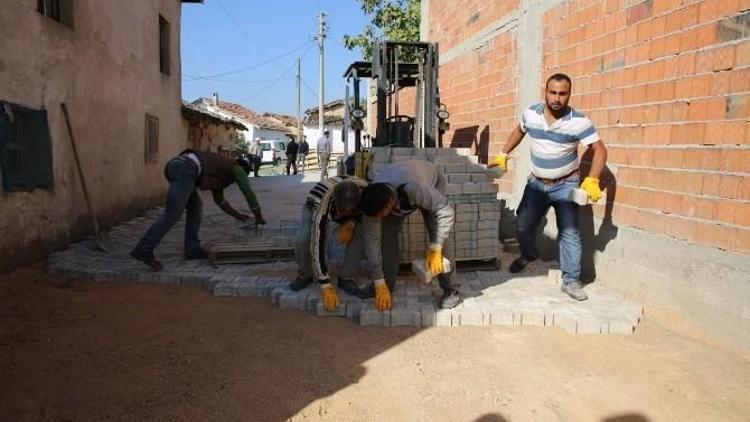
{"points": [[554, 149]]}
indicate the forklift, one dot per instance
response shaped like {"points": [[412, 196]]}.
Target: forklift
{"points": [[395, 66]]}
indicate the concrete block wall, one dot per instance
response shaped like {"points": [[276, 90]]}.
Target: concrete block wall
{"points": [[471, 193]]}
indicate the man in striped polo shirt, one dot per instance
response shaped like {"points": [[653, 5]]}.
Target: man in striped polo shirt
{"points": [[334, 199], [555, 131]]}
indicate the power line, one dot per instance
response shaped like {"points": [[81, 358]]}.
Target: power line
{"points": [[314, 94], [241, 29], [254, 66], [269, 85], [234, 81], [294, 64]]}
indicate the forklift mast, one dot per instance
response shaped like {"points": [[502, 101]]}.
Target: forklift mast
{"points": [[394, 66]]}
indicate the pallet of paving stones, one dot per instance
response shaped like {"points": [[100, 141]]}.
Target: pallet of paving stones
{"points": [[251, 253]]}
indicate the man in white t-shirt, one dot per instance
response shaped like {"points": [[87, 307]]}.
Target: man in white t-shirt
{"points": [[324, 153], [555, 131]]}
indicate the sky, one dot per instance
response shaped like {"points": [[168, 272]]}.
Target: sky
{"points": [[246, 50]]}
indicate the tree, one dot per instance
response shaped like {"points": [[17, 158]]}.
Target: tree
{"points": [[397, 20]]}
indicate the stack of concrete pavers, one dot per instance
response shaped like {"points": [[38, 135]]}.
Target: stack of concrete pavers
{"points": [[471, 192]]}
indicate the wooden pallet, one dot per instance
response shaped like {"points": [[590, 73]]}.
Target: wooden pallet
{"points": [[251, 253]]}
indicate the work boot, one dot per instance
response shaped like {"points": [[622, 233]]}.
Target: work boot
{"points": [[349, 286], [450, 299], [148, 259], [258, 217], [299, 283], [519, 264], [574, 290], [199, 253]]}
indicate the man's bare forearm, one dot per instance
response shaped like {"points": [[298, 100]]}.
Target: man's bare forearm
{"points": [[513, 140], [599, 160]]}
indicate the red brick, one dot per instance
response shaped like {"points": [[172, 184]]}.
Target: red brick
{"points": [[687, 64], [706, 35], [689, 16], [711, 183], [697, 110], [740, 80], [729, 186], [721, 83], [716, 235], [673, 22], [744, 188], [734, 132], [704, 61], [742, 241], [661, 6], [681, 228], [723, 58], [701, 85], [743, 54], [679, 111], [668, 202], [708, 10]]}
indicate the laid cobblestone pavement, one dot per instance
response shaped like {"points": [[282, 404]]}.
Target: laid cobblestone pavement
{"points": [[490, 297]]}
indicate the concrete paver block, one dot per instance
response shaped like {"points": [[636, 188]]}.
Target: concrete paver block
{"points": [[406, 315], [320, 311], [500, 317], [554, 276], [532, 316], [566, 321], [443, 317], [368, 315]]}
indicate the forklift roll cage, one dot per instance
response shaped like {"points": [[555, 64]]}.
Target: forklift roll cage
{"points": [[425, 127]]}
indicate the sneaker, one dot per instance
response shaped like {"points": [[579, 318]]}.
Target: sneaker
{"points": [[519, 264], [199, 253], [147, 259], [349, 286], [450, 299], [299, 283], [574, 290]]}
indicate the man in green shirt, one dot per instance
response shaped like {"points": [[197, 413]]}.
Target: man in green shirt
{"points": [[189, 171]]}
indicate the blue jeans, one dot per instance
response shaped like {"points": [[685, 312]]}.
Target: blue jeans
{"points": [[537, 198], [181, 196]]}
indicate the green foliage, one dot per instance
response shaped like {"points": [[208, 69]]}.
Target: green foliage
{"points": [[396, 20], [238, 138]]}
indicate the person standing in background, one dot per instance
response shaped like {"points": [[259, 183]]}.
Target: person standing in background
{"points": [[324, 153]]}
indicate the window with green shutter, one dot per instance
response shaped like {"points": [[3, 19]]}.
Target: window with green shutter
{"points": [[25, 149]]}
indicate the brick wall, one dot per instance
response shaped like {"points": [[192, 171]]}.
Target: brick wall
{"points": [[479, 89], [452, 22], [667, 83]]}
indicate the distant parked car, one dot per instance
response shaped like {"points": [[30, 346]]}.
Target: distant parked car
{"points": [[273, 151]]}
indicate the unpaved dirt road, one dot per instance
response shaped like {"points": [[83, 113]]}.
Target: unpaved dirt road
{"points": [[76, 351]]}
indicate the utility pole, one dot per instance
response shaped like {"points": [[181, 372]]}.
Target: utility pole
{"points": [[299, 112], [321, 85]]}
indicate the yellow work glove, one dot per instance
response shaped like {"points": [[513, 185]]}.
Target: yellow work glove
{"points": [[346, 232], [433, 259], [591, 186], [382, 296], [330, 296], [501, 161]]}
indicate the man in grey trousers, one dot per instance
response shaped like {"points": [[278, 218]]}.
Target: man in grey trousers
{"points": [[400, 189]]}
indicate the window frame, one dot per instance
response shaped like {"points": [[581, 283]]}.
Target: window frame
{"points": [[25, 131], [164, 46]]}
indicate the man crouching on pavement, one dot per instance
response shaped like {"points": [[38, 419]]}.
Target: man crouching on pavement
{"points": [[336, 199], [400, 189]]}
